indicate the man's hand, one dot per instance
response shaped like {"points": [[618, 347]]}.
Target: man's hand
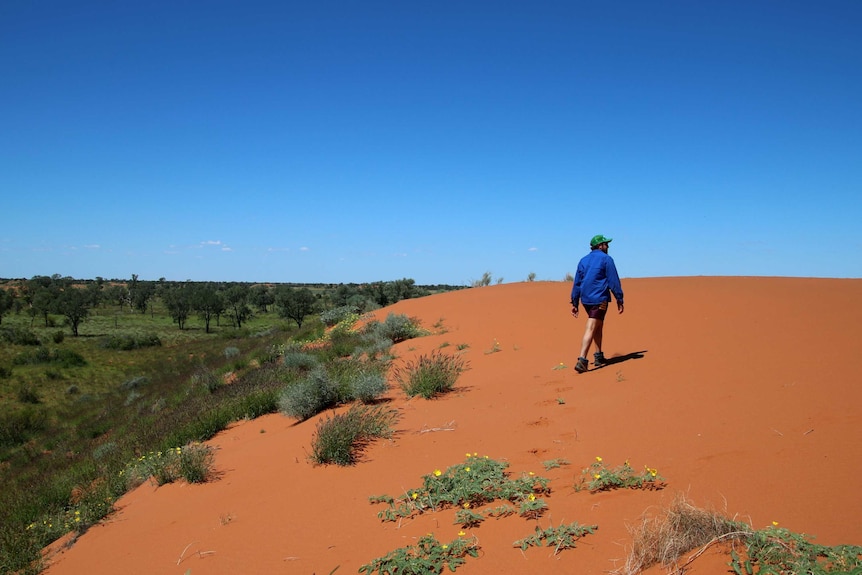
{"points": [[620, 307], [575, 311]]}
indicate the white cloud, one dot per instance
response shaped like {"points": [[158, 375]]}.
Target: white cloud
{"points": [[304, 249], [92, 246], [533, 249]]}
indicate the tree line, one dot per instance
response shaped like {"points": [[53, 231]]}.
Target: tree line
{"points": [[43, 296]]}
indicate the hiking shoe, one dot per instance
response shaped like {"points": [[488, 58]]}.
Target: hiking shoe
{"points": [[599, 359], [582, 365]]}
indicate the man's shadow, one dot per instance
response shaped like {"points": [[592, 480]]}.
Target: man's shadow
{"points": [[620, 358]]}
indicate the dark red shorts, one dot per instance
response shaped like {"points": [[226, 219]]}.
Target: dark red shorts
{"points": [[597, 311]]}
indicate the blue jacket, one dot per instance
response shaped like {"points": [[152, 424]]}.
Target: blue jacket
{"points": [[596, 279]]}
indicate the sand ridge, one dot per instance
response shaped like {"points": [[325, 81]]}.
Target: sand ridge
{"points": [[742, 392]]}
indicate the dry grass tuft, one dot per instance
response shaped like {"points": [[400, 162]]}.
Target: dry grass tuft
{"points": [[680, 528]]}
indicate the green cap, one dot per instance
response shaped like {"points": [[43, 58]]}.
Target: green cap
{"points": [[599, 239]]}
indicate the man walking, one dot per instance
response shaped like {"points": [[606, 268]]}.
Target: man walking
{"points": [[595, 281]]}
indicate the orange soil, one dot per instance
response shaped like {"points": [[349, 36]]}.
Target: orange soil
{"points": [[746, 400]]}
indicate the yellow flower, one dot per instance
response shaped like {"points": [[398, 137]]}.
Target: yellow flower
{"points": [[461, 534], [437, 473], [532, 497], [445, 546], [599, 459], [467, 454], [466, 505], [775, 523], [467, 469], [597, 476], [531, 474], [414, 495], [475, 454]]}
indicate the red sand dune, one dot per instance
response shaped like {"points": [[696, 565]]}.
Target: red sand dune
{"points": [[746, 399]]}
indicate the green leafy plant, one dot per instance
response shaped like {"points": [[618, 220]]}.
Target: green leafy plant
{"points": [[598, 477], [560, 538], [430, 375], [427, 556], [776, 550], [468, 485], [341, 438], [494, 348]]}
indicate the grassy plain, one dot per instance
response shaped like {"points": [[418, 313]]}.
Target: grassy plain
{"points": [[75, 410]]}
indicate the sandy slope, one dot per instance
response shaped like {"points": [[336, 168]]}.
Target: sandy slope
{"points": [[745, 397]]}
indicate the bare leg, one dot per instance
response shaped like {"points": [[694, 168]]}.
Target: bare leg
{"points": [[597, 335], [594, 326]]}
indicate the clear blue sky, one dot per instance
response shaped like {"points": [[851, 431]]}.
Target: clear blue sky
{"points": [[343, 141]]}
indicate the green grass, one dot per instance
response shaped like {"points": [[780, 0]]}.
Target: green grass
{"points": [[340, 439], [430, 375], [75, 411]]}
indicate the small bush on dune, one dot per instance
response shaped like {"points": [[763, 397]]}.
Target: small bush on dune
{"points": [[299, 360], [309, 396], [369, 385], [341, 438], [396, 328], [339, 314], [430, 375], [193, 463]]}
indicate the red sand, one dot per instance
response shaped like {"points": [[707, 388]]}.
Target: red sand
{"points": [[746, 399]]}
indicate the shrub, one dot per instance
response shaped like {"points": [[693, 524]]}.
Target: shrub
{"points": [[59, 357], [339, 314], [309, 396], [58, 337], [341, 438], [27, 394], [369, 385], [207, 378], [299, 360], [17, 426], [128, 342], [134, 383], [230, 352], [194, 463], [18, 336], [5, 372], [430, 375], [396, 328]]}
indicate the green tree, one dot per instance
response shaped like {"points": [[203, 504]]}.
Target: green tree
{"points": [[262, 297], [208, 302], [42, 303], [141, 295], [178, 300], [74, 304], [236, 303], [295, 304]]}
